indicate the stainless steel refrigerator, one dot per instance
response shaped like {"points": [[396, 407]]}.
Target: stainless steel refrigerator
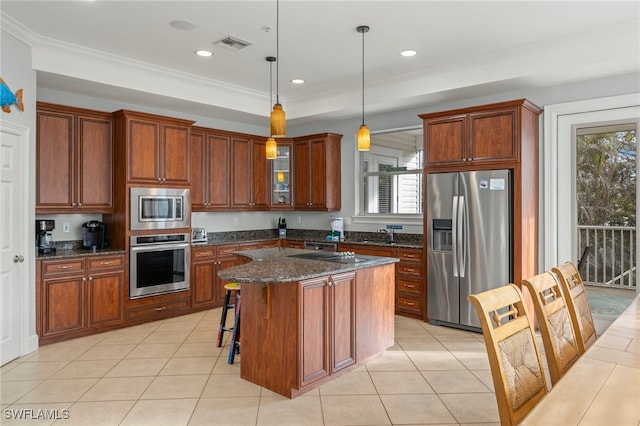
{"points": [[469, 220]]}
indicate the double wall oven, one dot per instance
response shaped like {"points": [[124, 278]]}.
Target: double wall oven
{"points": [[159, 261]]}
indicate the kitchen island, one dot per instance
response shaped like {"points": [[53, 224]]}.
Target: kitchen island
{"points": [[308, 319]]}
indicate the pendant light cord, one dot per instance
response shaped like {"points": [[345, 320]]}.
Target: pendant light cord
{"points": [[277, 51], [363, 77]]}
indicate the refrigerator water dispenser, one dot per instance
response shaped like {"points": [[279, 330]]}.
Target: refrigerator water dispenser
{"points": [[442, 233]]}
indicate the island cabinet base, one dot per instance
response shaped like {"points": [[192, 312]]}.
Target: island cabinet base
{"points": [[298, 335]]}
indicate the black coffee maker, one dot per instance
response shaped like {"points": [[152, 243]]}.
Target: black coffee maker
{"points": [[44, 239], [93, 235]]}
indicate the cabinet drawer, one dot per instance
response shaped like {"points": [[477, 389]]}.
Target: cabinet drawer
{"points": [[226, 250], [410, 269], [66, 266], [411, 286], [203, 252], [410, 255], [97, 263], [158, 310], [410, 305]]}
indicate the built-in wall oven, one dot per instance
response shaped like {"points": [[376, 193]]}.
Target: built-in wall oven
{"points": [[158, 264]]}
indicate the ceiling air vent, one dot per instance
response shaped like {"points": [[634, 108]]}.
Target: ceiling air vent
{"points": [[233, 43]]}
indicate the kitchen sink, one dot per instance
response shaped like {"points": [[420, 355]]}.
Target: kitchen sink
{"points": [[332, 257]]}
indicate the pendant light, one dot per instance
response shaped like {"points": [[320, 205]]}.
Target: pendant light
{"points": [[271, 147], [364, 136], [278, 116]]}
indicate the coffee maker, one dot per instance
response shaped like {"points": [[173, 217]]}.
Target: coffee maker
{"points": [[44, 239], [93, 235]]}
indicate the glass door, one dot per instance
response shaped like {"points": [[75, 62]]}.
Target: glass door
{"points": [[281, 177]]}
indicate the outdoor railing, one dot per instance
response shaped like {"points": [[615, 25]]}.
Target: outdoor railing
{"points": [[611, 261]]}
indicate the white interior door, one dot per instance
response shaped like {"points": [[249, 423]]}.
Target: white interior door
{"points": [[14, 277]]}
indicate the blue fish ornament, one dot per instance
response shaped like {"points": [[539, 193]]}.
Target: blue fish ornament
{"points": [[8, 98]]}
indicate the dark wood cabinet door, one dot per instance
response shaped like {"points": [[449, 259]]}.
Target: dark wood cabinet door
{"points": [[105, 298], [143, 157], [318, 174], [198, 153], [301, 184], [314, 338], [203, 276], [63, 304], [55, 136], [445, 140], [95, 164], [241, 173], [218, 171], [342, 321], [493, 136], [260, 175], [174, 155]]}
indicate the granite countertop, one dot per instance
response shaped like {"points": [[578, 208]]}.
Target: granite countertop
{"points": [[276, 265], [401, 244], [77, 252]]}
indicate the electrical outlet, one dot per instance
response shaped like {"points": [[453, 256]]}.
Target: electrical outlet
{"points": [[65, 227], [299, 219], [235, 220]]}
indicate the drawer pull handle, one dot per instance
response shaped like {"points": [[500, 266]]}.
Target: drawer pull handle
{"points": [[410, 270], [409, 286], [104, 262], [64, 266], [161, 308], [409, 303]]}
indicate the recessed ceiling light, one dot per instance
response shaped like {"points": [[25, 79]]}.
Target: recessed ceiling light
{"points": [[408, 53], [297, 81], [204, 53]]}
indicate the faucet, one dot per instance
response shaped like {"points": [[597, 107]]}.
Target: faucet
{"points": [[388, 231]]}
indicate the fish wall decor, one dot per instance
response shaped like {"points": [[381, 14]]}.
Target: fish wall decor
{"points": [[8, 98]]}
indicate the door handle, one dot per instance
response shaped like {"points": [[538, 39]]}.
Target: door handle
{"points": [[18, 259], [462, 235], [454, 248]]}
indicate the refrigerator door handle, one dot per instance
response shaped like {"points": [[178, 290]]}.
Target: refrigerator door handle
{"points": [[462, 236], [454, 231]]}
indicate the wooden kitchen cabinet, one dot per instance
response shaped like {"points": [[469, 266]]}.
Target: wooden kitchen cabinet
{"points": [[74, 157], [249, 173], [157, 148], [472, 137], [316, 172], [80, 296], [503, 135], [207, 289], [211, 170], [281, 176], [410, 278]]}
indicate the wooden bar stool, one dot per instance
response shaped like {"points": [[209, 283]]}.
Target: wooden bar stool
{"points": [[230, 289]]}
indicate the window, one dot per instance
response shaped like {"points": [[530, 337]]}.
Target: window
{"points": [[391, 182]]}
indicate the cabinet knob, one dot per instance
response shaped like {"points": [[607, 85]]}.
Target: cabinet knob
{"points": [[18, 259], [73, 204], [79, 204]]}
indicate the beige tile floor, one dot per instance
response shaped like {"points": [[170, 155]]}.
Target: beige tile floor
{"points": [[170, 372]]}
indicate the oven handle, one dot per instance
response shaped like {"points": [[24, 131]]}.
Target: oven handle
{"points": [[156, 247]]}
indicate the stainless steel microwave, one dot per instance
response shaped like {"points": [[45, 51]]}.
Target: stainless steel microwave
{"points": [[160, 208]]}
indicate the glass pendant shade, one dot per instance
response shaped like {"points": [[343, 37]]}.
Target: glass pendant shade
{"points": [[364, 138], [272, 149], [278, 121]]}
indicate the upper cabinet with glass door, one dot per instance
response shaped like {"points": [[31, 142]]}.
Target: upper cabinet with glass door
{"points": [[281, 177]]}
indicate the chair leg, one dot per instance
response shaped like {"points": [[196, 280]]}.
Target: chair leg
{"points": [[234, 347], [223, 318]]}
